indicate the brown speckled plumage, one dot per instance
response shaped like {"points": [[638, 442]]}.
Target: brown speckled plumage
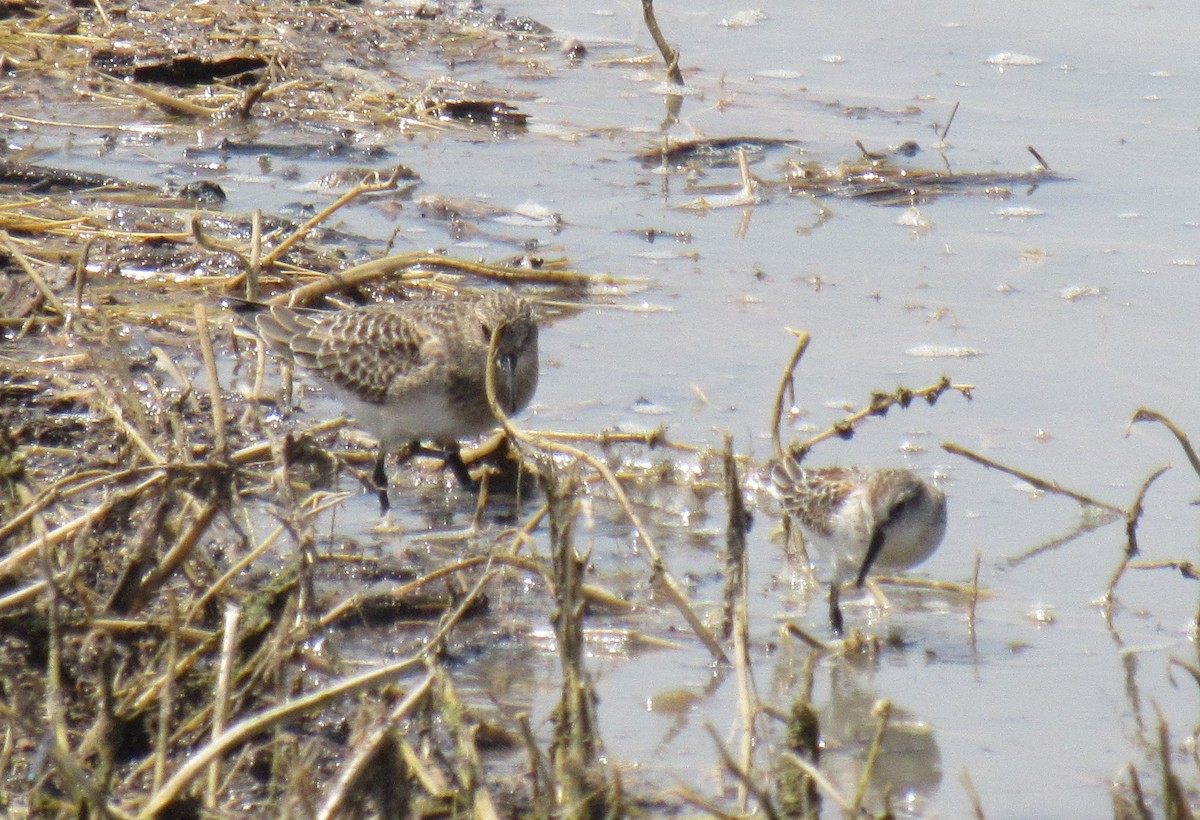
{"points": [[405, 357], [860, 518], [415, 371]]}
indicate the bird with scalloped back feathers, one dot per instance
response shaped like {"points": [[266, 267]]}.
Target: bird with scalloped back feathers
{"points": [[862, 519], [415, 371]]}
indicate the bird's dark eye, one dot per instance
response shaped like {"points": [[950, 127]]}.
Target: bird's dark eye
{"points": [[898, 508]]}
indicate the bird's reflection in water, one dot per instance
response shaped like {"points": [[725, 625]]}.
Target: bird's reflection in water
{"points": [[908, 770]]}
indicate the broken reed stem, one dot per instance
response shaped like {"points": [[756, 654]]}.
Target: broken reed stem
{"points": [[883, 712], [66, 763], [660, 575], [1039, 483], [736, 611], [314, 509], [592, 593], [1146, 414], [268, 261], [1132, 516], [823, 783], [949, 122], [972, 794], [1041, 160], [880, 404], [539, 771], [254, 268], [27, 268], [261, 722], [388, 265], [811, 641], [214, 382], [653, 439], [787, 386], [670, 55], [60, 490], [1134, 513], [744, 778], [580, 782], [974, 598], [175, 556], [353, 770], [1174, 797], [255, 92], [737, 525], [166, 703], [466, 757], [1185, 568], [221, 701]]}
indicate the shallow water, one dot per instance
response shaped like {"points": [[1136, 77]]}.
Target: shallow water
{"points": [[1042, 717], [1080, 312]]}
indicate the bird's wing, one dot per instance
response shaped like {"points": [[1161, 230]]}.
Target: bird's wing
{"points": [[366, 351], [812, 494]]}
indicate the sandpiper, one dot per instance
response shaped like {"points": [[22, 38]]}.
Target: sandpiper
{"points": [[415, 371], [859, 518]]}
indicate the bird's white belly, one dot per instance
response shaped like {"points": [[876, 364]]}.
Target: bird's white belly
{"points": [[426, 415]]}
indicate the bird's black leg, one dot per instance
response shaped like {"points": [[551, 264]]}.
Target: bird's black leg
{"points": [[380, 478], [835, 611], [455, 463]]}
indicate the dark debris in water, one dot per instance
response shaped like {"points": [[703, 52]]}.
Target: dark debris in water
{"points": [[180, 70], [720, 152]]}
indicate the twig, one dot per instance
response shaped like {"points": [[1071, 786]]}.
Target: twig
{"points": [[14, 559], [949, 122], [1131, 549], [972, 794], [817, 777], [799, 632], [736, 612], [352, 771], [745, 778], [354, 193], [221, 702], [1135, 512], [1185, 568], [670, 55], [255, 92], [880, 404], [39, 282], [1041, 161], [1145, 414], [883, 713], [1039, 483], [787, 386], [974, 598], [214, 383], [175, 556], [378, 268]]}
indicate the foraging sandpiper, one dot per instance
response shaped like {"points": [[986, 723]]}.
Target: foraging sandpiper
{"points": [[889, 518], [415, 371]]}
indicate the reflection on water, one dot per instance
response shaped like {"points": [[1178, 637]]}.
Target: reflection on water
{"points": [[908, 770]]}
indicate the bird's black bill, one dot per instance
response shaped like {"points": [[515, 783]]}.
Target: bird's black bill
{"points": [[508, 369], [873, 550]]}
